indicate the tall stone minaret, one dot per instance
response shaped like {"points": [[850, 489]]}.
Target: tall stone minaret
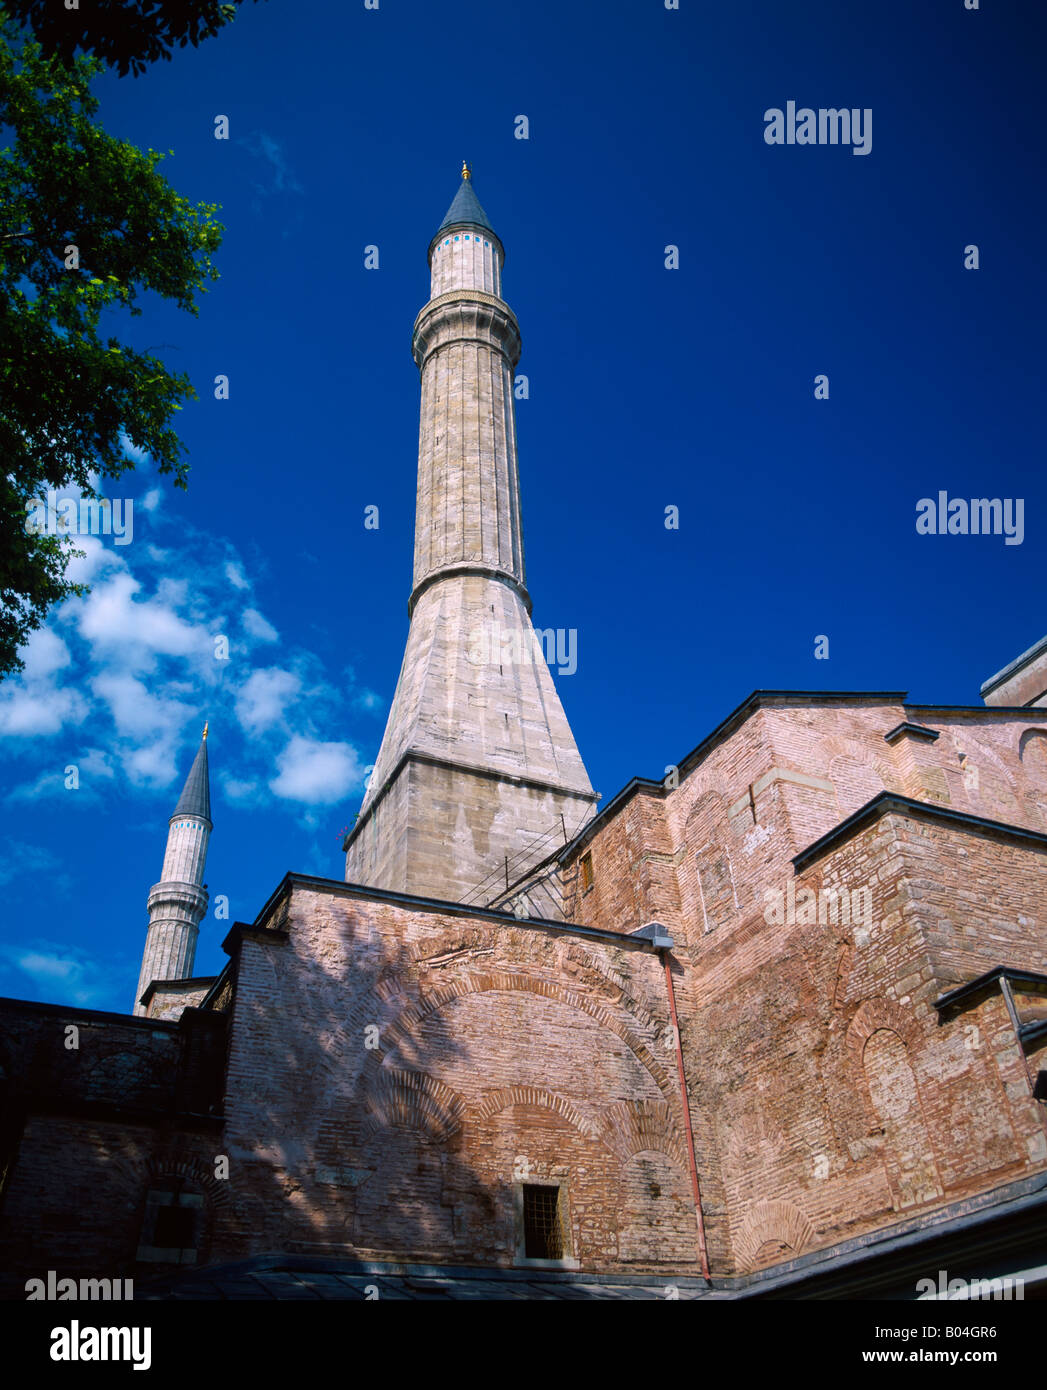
{"points": [[478, 760], [178, 902]]}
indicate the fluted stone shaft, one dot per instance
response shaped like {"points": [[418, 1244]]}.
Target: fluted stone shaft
{"points": [[478, 758], [178, 902], [468, 506]]}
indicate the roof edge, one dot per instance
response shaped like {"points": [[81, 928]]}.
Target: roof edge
{"points": [[886, 803], [1013, 667]]}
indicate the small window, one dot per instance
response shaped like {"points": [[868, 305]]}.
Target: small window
{"points": [[587, 872], [172, 1225], [543, 1226]]}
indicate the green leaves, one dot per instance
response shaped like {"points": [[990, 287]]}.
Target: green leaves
{"points": [[87, 224], [126, 33]]}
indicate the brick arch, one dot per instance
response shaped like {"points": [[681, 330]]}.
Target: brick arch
{"points": [[710, 808], [494, 1102], [772, 1222], [413, 1100], [873, 1015], [503, 981], [124, 1066], [618, 981], [157, 1169], [643, 1126]]}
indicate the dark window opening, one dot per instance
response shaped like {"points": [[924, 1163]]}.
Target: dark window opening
{"points": [[543, 1229], [175, 1228]]}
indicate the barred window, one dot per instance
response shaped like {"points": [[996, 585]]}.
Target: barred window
{"points": [[543, 1223]]}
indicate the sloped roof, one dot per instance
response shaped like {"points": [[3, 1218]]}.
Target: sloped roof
{"points": [[196, 794], [465, 208]]}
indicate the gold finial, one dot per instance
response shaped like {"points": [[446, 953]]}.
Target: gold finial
{"points": [[206, 722], [467, 173]]}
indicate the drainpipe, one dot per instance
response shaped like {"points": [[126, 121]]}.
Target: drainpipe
{"points": [[662, 942]]}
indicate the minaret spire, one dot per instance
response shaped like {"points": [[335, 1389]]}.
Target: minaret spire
{"points": [[478, 758], [178, 902]]}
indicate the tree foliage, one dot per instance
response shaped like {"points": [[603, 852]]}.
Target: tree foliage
{"points": [[87, 224], [128, 34]]}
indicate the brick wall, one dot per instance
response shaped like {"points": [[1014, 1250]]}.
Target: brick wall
{"points": [[499, 1054]]}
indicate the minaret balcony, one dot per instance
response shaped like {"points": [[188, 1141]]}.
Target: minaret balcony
{"points": [[185, 899]]}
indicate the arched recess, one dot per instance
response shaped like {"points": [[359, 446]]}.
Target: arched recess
{"points": [[912, 1169], [176, 1215], [415, 1101], [772, 1231], [873, 1014], [637, 1126], [1032, 751], [494, 1102], [655, 1211], [707, 869]]}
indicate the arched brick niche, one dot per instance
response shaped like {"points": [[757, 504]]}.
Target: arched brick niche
{"points": [[772, 1231], [879, 1040]]}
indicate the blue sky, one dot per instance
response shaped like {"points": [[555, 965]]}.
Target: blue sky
{"points": [[649, 388]]}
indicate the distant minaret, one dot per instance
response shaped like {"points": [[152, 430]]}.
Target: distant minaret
{"points": [[478, 761], [178, 902]]}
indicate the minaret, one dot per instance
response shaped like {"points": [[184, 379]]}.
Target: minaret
{"points": [[178, 902], [478, 760]]}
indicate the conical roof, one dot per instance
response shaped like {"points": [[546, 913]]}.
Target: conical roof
{"points": [[196, 794], [465, 208]]}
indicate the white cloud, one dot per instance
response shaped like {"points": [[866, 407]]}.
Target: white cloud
{"points": [[257, 626], [234, 572], [137, 713], [131, 669], [114, 621], [153, 764], [151, 500], [78, 978], [316, 773], [32, 703], [44, 653], [236, 790], [264, 697]]}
